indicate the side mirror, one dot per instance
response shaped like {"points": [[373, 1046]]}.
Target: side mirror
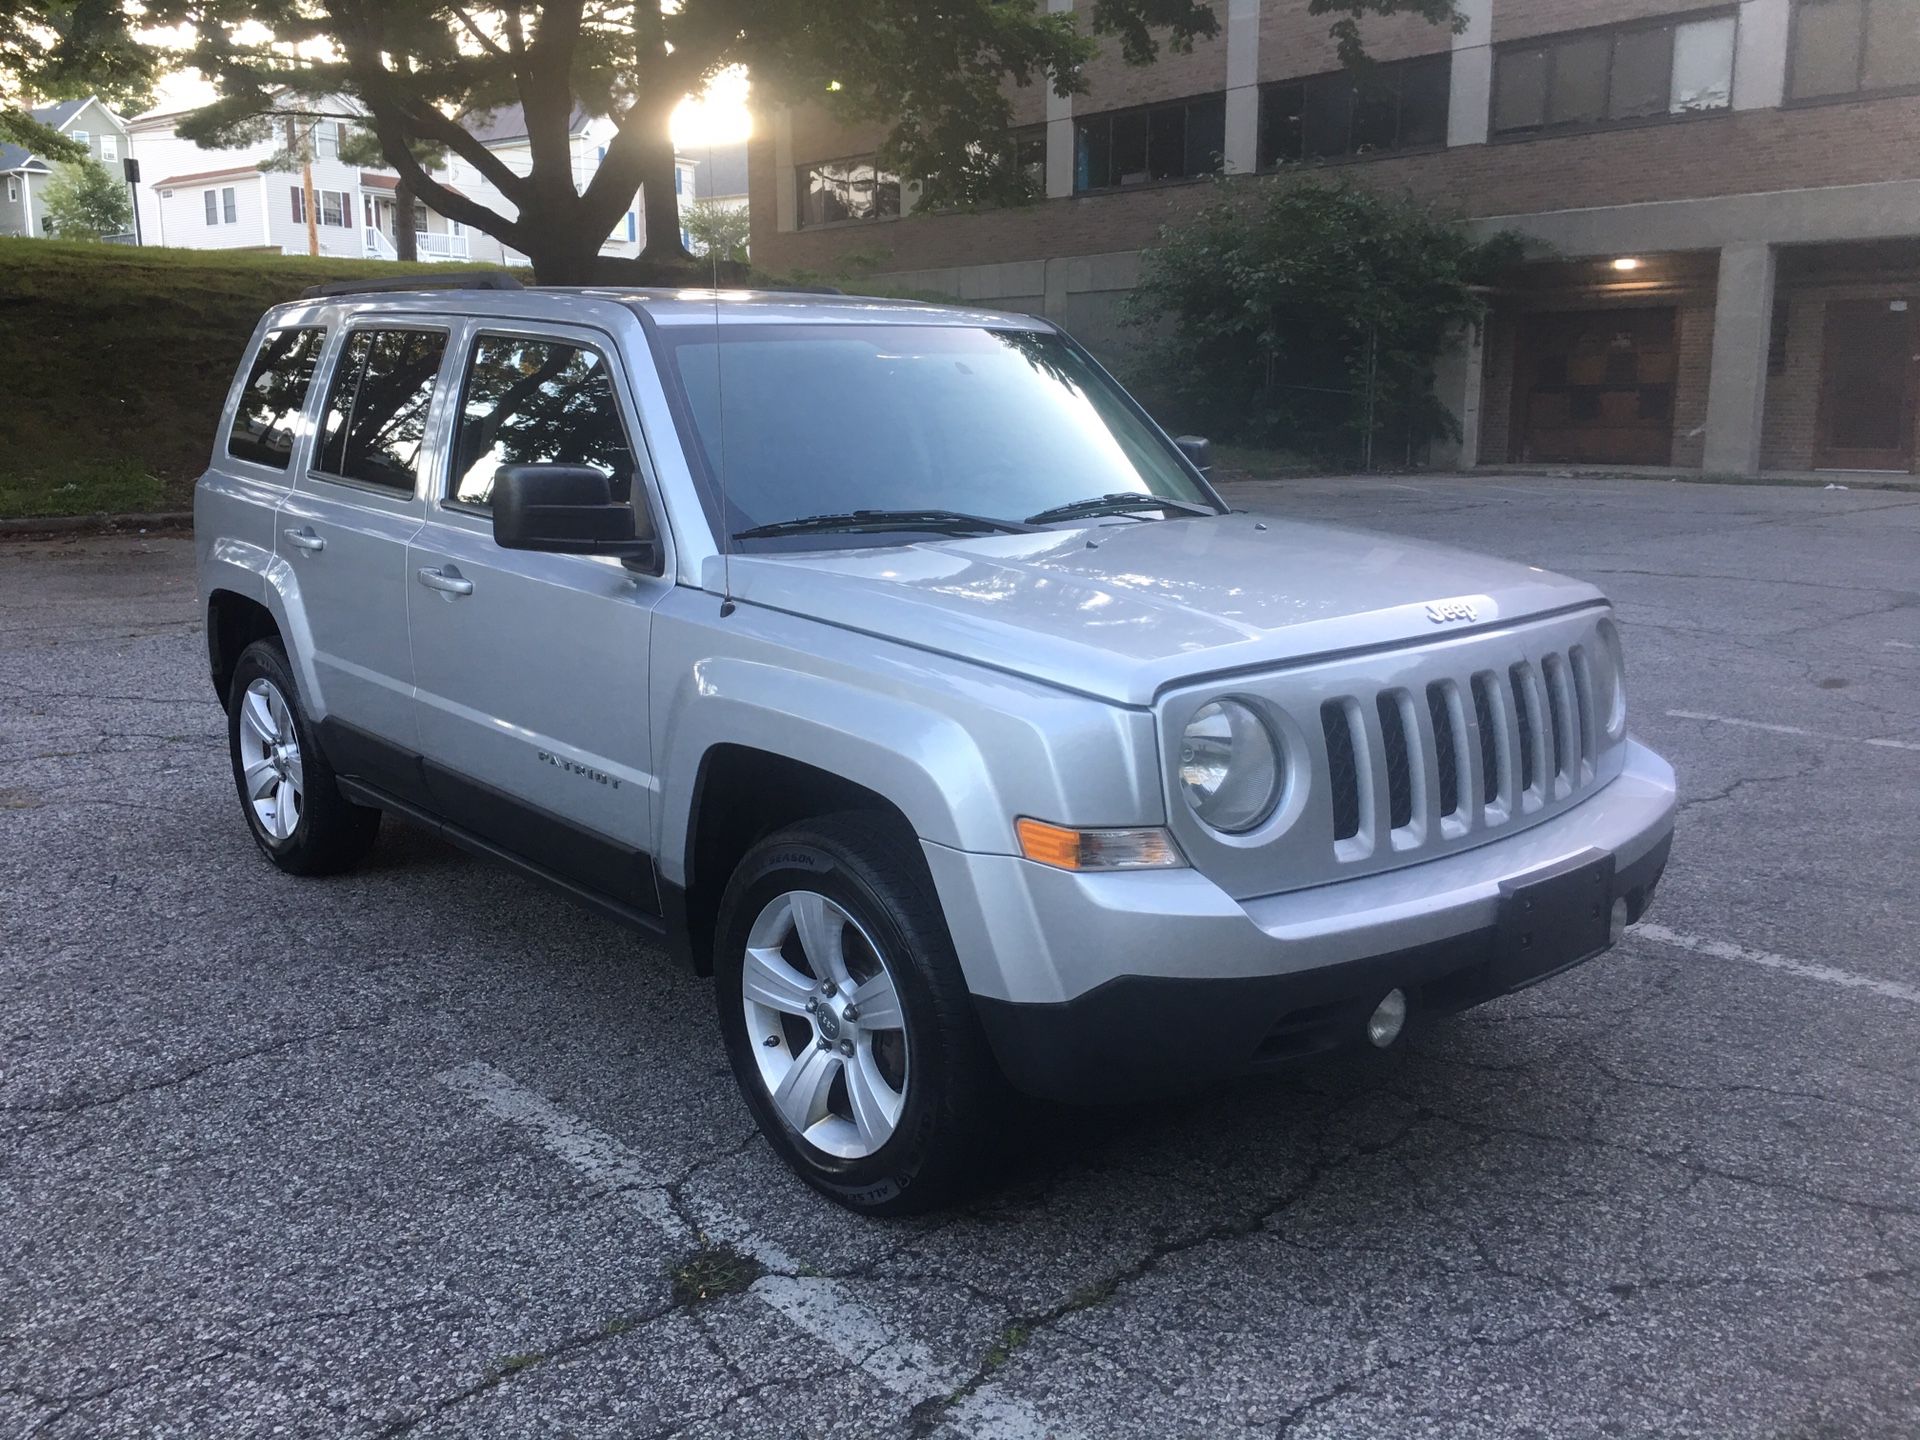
{"points": [[1198, 449], [565, 510]]}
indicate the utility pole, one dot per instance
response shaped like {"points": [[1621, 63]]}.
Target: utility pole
{"points": [[306, 186]]}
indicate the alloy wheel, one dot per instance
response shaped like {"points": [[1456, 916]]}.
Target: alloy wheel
{"points": [[270, 768], [826, 1023]]}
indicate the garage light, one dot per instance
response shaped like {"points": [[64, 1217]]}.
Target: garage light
{"points": [[1626, 262]]}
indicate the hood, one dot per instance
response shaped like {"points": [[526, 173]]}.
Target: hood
{"points": [[1123, 610]]}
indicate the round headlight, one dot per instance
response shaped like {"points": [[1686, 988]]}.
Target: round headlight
{"points": [[1229, 766]]}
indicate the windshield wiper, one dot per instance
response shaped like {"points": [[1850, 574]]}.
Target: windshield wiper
{"points": [[1118, 503], [942, 522]]}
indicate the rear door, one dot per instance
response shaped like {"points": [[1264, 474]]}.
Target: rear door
{"points": [[344, 533], [1866, 387], [531, 669]]}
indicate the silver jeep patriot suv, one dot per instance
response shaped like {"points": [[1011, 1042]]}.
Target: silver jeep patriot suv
{"points": [[888, 662]]}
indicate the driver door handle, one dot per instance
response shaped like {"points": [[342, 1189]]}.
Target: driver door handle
{"points": [[449, 580], [301, 537]]}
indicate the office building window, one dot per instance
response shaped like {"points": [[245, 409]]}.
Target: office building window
{"points": [[853, 189], [1850, 47], [1629, 72], [1177, 141], [1397, 106]]}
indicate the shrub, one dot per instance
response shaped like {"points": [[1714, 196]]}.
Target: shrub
{"points": [[85, 202], [1308, 314]]}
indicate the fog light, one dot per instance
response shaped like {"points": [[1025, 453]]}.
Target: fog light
{"points": [[1383, 1027], [1617, 921]]}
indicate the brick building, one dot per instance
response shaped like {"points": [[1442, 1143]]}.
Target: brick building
{"points": [[1731, 194]]}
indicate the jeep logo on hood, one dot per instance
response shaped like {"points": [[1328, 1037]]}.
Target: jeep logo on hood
{"points": [[1442, 612]]}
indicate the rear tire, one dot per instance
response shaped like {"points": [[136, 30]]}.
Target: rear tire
{"points": [[297, 815], [888, 1110]]}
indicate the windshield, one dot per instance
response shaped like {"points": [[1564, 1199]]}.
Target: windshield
{"points": [[829, 420]]}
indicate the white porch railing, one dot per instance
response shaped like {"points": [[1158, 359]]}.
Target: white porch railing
{"points": [[434, 246], [428, 245]]}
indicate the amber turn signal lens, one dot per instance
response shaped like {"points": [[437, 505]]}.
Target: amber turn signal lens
{"points": [[1148, 848]]}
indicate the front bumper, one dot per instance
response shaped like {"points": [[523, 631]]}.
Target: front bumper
{"points": [[1102, 987]]}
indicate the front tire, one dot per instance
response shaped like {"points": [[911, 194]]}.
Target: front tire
{"points": [[849, 1026], [297, 815]]}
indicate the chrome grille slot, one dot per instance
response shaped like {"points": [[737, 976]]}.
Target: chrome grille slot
{"points": [[1583, 712], [1343, 774], [1399, 765], [1529, 712], [1494, 758], [1449, 744]]}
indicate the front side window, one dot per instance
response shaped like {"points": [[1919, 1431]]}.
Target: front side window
{"points": [[537, 402], [855, 189], [1396, 106], [1179, 141], [1596, 77], [265, 420], [376, 415], [793, 421], [1849, 47]]}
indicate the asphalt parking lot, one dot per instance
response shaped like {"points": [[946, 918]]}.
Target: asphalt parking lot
{"points": [[428, 1151]]}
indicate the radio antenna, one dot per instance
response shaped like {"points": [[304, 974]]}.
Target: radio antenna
{"points": [[719, 395]]}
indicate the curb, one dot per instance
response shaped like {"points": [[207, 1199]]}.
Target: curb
{"points": [[102, 524]]}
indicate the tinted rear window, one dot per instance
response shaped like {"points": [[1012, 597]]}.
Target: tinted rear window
{"points": [[264, 421], [376, 416]]}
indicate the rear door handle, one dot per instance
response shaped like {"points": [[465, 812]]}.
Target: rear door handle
{"points": [[448, 580], [303, 538]]}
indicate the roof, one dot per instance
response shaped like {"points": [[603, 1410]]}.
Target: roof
{"points": [[720, 171], [59, 115], [372, 180], [587, 305], [13, 158], [231, 170], [509, 122]]}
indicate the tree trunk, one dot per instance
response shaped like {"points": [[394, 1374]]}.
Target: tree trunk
{"points": [[657, 196], [558, 255], [406, 245]]}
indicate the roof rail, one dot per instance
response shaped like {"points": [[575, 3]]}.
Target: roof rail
{"points": [[455, 280]]}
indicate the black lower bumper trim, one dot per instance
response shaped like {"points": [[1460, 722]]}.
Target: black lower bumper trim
{"points": [[1142, 1035]]}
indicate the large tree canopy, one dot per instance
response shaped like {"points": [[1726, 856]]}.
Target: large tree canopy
{"points": [[65, 49], [936, 75]]}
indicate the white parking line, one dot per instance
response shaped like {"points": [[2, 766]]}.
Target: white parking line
{"points": [[1788, 729], [825, 1309], [1806, 970]]}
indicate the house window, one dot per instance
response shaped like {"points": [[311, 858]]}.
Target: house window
{"points": [[852, 189], [326, 142], [1849, 47], [299, 205], [1397, 106], [109, 150], [1597, 77], [229, 208], [80, 137], [211, 199], [1158, 142], [13, 190], [333, 206]]}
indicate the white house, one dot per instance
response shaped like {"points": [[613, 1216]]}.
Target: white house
{"points": [[24, 175], [222, 199]]}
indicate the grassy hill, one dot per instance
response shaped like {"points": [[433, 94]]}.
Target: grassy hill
{"points": [[114, 361]]}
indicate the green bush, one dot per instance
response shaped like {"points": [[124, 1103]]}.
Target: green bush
{"points": [[85, 202], [1305, 313]]}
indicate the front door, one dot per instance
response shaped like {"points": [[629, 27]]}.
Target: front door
{"points": [[344, 533], [1595, 387], [531, 669], [1866, 387]]}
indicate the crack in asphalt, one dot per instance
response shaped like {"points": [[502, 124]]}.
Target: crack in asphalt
{"points": [[147, 1087]]}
